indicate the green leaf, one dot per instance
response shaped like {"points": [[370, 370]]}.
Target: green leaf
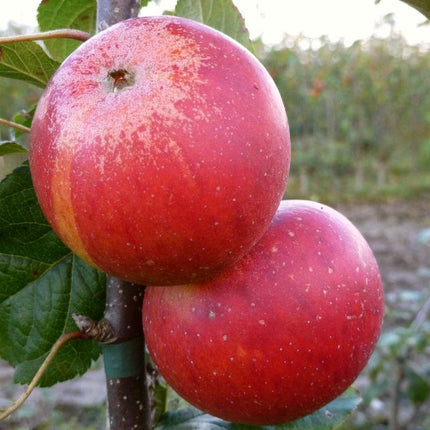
{"points": [[327, 418], [160, 400], [330, 416], [191, 419], [422, 6], [222, 15], [26, 61], [418, 387], [10, 147], [25, 118], [41, 284], [167, 399], [56, 14]]}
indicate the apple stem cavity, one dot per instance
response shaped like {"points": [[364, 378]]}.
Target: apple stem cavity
{"points": [[119, 79]]}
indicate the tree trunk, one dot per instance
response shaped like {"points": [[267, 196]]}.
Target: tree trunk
{"points": [[109, 12], [124, 359]]}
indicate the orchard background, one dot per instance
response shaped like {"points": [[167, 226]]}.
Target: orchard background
{"points": [[360, 125]]}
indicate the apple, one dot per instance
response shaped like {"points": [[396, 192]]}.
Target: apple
{"points": [[160, 151], [281, 333]]}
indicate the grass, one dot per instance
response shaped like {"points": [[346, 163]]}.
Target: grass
{"points": [[404, 184]]}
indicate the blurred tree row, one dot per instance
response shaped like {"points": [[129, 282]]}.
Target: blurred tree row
{"points": [[359, 115]]}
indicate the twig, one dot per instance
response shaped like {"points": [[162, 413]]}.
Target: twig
{"points": [[422, 314], [65, 33], [15, 125], [402, 361], [100, 331], [61, 341], [398, 378], [124, 360]]}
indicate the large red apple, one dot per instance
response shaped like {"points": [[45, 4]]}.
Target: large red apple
{"points": [[281, 333], [160, 150]]}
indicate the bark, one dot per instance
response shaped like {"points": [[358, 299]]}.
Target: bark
{"points": [[110, 12], [124, 359]]}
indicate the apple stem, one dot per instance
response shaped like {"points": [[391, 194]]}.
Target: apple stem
{"points": [[66, 33], [118, 79]]}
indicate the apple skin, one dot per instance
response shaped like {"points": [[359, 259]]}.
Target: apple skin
{"points": [[280, 334], [160, 151]]}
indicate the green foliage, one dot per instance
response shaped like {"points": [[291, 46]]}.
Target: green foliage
{"points": [[8, 147], [25, 118], [26, 61], [41, 284], [328, 417], [166, 400], [17, 142], [56, 14], [220, 14], [14, 96], [400, 374]]}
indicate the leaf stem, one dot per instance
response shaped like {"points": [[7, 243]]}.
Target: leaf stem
{"points": [[65, 33], [61, 341], [15, 125]]}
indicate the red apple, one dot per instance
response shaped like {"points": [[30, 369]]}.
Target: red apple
{"points": [[160, 150], [281, 333]]}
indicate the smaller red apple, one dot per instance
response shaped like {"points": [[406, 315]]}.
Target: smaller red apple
{"points": [[280, 334]]}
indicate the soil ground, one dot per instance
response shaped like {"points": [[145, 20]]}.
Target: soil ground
{"points": [[399, 235], [393, 231]]}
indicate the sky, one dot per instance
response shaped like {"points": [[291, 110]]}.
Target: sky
{"points": [[346, 20]]}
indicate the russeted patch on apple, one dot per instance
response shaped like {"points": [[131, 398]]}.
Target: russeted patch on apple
{"points": [[160, 151], [281, 333]]}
